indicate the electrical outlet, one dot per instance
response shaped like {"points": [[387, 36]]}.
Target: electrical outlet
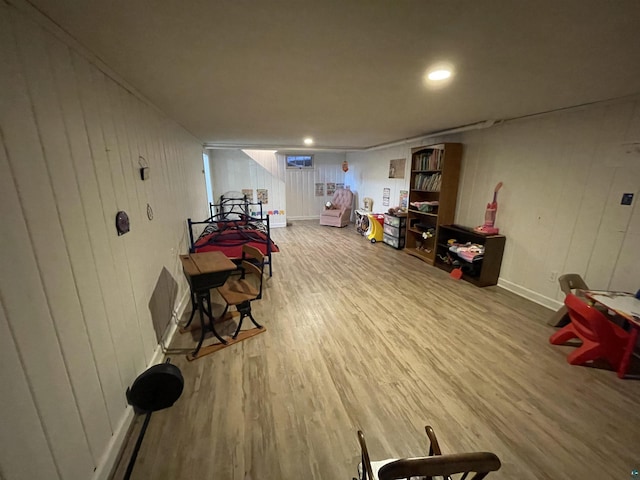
{"points": [[553, 276]]}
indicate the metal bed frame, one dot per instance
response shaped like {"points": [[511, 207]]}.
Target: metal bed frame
{"points": [[228, 213]]}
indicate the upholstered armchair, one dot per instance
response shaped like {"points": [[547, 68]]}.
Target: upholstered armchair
{"points": [[339, 213]]}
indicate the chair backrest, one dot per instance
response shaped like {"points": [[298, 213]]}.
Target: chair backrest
{"points": [[588, 321], [434, 446], [343, 197], [435, 465], [365, 460], [253, 263], [570, 282], [478, 463]]}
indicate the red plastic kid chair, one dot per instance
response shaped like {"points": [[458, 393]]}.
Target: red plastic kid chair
{"points": [[600, 337]]}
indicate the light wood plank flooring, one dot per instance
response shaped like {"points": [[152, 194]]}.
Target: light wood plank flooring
{"points": [[364, 336]]}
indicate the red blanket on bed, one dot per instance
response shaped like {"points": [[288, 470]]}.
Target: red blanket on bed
{"points": [[230, 242]]}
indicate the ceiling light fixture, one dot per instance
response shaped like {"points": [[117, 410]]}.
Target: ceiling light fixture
{"points": [[308, 141], [437, 75]]}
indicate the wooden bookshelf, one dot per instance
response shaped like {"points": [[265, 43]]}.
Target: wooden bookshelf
{"points": [[483, 273], [435, 172]]}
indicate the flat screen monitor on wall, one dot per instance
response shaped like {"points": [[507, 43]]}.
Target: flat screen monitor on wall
{"points": [[299, 161]]}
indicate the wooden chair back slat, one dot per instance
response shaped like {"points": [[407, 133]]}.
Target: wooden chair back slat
{"points": [[252, 268], [480, 463], [252, 252]]}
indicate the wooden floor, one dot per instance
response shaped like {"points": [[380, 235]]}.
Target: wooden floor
{"points": [[362, 336]]}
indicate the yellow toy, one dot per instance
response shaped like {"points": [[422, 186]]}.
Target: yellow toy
{"points": [[375, 231]]}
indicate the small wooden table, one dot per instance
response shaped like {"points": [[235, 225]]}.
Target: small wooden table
{"points": [[205, 271], [628, 307]]}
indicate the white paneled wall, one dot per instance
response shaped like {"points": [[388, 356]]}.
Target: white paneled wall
{"points": [[564, 176], [302, 202], [290, 190], [234, 170], [269, 160], [75, 325]]}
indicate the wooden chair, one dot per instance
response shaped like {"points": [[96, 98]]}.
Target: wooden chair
{"points": [[435, 465], [240, 292]]}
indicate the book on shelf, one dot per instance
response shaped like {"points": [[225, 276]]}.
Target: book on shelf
{"points": [[429, 160], [428, 181]]}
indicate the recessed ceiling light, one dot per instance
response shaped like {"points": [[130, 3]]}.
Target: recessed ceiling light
{"points": [[440, 74], [308, 141]]}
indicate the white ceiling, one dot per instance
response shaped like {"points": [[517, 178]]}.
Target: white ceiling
{"points": [[349, 72]]}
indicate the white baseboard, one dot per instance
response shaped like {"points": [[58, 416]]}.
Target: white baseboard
{"points": [[529, 294], [112, 452]]}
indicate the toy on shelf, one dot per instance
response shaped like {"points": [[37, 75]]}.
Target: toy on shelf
{"points": [[397, 211], [464, 257], [490, 215], [425, 206]]}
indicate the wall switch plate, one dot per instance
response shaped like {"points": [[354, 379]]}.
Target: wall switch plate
{"points": [[627, 199]]}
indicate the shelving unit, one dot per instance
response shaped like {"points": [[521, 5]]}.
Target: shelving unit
{"points": [[394, 230], [483, 273], [435, 172]]}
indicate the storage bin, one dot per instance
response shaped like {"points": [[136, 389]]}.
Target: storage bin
{"points": [[393, 231], [395, 221], [396, 242]]}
